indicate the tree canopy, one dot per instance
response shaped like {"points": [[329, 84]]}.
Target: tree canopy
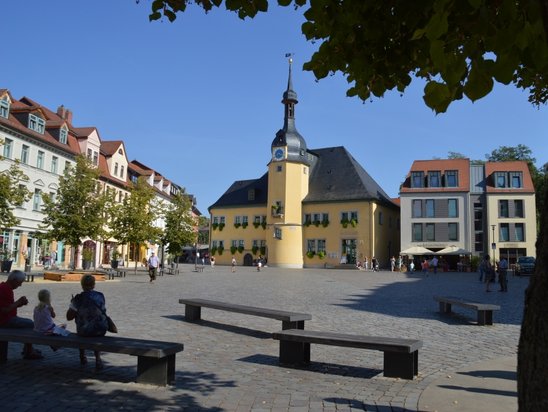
{"points": [[13, 193], [179, 224], [459, 48]]}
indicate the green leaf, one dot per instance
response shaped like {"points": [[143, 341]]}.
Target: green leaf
{"points": [[154, 16], [479, 83], [437, 54], [437, 26], [437, 96]]}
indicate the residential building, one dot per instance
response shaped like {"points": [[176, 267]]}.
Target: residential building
{"points": [[477, 208], [312, 208]]}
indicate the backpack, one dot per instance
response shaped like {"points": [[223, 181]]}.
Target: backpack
{"points": [[91, 319]]}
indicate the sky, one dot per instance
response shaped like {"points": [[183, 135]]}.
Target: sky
{"points": [[199, 100]]}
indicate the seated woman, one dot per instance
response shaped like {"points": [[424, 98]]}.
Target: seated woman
{"points": [[89, 311]]}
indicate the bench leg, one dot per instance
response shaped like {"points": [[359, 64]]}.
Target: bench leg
{"points": [[293, 325], [3, 352], [294, 353], [156, 371], [445, 307], [485, 317], [401, 365], [193, 312]]}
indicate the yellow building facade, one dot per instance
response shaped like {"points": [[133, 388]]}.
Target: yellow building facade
{"points": [[313, 208]]}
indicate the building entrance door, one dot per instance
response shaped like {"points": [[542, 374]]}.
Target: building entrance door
{"points": [[348, 249]]}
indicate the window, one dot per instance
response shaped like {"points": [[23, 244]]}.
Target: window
{"points": [[234, 243], [244, 220], [503, 208], [25, 154], [325, 217], [504, 235], [4, 107], [237, 220], [515, 179], [122, 172], [417, 179], [54, 162], [36, 123], [52, 196], [256, 220], [430, 232], [311, 245], [120, 194], [278, 233], [451, 178], [518, 208], [321, 245], [90, 154], [213, 243], [95, 158], [417, 232], [430, 209], [241, 244], [36, 200], [8, 146], [518, 229], [316, 218], [40, 160], [63, 135], [434, 179], [453, 231], [417, 208], [452, 208], [115, 169], [216, 220], [278, 168], [251, 194], [354, 216], [500, 179], [344, 217], [222, 220]]}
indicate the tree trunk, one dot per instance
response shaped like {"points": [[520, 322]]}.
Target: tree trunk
{"points": [[533, 343]]}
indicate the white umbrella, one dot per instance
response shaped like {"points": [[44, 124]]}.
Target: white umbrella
{"points": [[416, 250], [453, 250]]}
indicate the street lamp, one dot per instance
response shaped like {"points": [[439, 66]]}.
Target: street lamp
{"points": [[493, 245]]}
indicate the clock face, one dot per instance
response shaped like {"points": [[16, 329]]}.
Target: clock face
{"points": [[279, 153]]}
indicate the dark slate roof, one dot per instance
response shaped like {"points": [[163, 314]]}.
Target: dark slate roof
{"points": [[238, 193], [336, 176]]}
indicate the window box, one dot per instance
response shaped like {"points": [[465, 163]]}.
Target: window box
{"points": [[310, 254]]}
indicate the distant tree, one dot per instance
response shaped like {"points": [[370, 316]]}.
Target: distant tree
{"points": [[459, 48], [455, 155], [13, 192], [132, 221], [203, 230], [77, 210], [180, 225]]}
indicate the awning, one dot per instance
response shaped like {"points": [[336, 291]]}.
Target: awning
{"points": [[416, 250], [453, 250]]}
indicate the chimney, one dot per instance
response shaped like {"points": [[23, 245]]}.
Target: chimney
{"points": [[65, 114]]}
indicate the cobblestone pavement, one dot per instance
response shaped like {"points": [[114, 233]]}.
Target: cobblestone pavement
{"points": [[230, 363]]}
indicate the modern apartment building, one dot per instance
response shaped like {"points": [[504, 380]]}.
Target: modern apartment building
{"points": [[480, 208], [312, 208]]}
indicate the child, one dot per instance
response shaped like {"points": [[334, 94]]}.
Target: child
{"points": [[44, 314]]}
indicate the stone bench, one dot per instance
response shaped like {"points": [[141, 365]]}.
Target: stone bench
{"points": [[155, 359], [290, 320], [401, 356], [485, 310]]}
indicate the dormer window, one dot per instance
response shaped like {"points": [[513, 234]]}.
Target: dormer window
{"points": [[434, 179], [451, 178], [417, 179], [115, 169], [122, 172], [37, 124], [63, 135], [4, 107]]}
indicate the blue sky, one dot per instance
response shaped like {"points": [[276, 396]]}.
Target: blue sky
{"points": [[199, 100]]}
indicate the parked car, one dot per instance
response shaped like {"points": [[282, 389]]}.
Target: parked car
{"points": [[525, 265]]}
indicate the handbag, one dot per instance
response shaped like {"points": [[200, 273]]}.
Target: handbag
{"points": [[111, 325]]}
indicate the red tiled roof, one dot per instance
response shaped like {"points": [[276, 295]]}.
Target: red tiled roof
{"points": [[441, 165], [109, 147], [513, 166]]}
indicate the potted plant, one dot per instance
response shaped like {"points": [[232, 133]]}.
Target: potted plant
{"points": [[263, 250], [263, 224], [214, 226], [240, 249], [344, 222], [221, 226], [321, 254], [325, 222], [244, 225], [233, 249], [254, 249], [316, 223], [354, 222], [213, 250], [87, 256], [220, 249], [310, 254], [256, 224], [237, 225]]}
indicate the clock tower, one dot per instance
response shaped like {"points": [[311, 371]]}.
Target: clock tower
{"points": [[288, 174]]}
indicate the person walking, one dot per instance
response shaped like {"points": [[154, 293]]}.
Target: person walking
{"points": [[153, 264], [392, 263], [434, 263], [503, 271], [233, 264], [489, 272]]}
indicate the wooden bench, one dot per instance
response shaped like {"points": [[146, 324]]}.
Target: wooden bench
{"points": [[155, 359], [485, 310], [290, 320], [401, 356]]}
